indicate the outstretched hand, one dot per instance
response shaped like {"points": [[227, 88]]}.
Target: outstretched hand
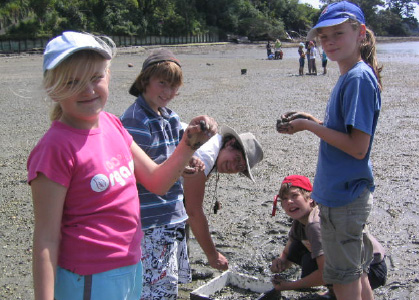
{"points": [[292, 115], [200, 130], [194, 167], [287, 123]]}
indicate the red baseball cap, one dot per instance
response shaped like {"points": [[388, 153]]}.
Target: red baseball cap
{"points": [[298, 181]]}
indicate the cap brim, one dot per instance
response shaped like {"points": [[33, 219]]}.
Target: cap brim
{"points": [[311, 35], [57, 60], [226, 130], [133, 90]]}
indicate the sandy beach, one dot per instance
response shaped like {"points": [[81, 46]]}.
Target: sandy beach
{"points": [[243, 229]]}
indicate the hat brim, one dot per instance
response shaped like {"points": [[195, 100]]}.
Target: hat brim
{"points": [[134, 90], [226, 130], [57, 60], [311, 35]]}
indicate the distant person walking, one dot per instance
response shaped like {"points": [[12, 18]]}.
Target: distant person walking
{"points": [[268, 49], [324, 62], [312, 61], [301, 59], [308, 57], [278, 49]]}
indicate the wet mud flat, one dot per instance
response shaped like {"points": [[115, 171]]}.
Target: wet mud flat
{"points": [[243, 229]]}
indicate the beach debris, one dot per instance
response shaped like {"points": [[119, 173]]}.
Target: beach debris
{"points": [[130, 65], [234, 282], [217, 206]]}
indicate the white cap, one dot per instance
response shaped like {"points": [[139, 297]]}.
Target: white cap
{"points": [[61, 47]]}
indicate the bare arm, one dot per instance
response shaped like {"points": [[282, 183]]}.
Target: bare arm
{"points": [[159, 179], [194, 190], [156, 178], [48, 201], [355, 143]]}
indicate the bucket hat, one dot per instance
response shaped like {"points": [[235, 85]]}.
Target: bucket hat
{"points": [[69, 42], [157, 56], [252, 149], [335, 14]]}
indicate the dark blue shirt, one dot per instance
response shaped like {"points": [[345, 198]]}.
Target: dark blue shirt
{"points": [[158, 135]]}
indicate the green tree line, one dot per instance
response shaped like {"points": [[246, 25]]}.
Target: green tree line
{"points": [[256, 19]]}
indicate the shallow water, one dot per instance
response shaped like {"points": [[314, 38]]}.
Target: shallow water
{"points": [[403, 48]]}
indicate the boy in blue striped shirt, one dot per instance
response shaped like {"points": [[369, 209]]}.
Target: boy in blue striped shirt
{"points": [[157, 130]]}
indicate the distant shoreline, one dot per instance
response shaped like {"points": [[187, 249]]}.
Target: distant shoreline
{"points": [[141, 48], [396, 39]]}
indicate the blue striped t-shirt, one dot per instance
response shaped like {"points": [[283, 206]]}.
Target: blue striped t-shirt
{"points": [[158, 135]]}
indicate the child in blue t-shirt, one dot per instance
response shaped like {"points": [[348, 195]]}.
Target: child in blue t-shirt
{"points": [[344, 179]]}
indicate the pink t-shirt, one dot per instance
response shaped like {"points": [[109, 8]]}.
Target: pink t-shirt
{"points": [[101, 228]]}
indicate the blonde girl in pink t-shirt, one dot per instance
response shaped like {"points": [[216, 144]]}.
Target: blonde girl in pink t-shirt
{"points": [[83, 175]]}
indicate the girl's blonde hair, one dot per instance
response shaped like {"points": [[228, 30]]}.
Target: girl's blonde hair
{"points": [[166, 70], [57, 81], [369, 51]]}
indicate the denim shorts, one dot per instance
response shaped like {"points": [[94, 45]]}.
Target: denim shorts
{"points": [[123, 283], [347, 249], [301, 60]]}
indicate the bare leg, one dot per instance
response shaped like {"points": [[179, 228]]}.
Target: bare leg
{"points": [[367, 293], [350, 291], [357, 290]]}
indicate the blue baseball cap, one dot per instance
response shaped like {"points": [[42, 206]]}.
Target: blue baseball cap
{"points": [[337, 13], [62, 46]]}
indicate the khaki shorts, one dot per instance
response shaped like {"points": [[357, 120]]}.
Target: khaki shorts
{"points": [[348, 251]]}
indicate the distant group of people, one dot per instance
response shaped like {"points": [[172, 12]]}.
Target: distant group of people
{"points": [[310, 53], [305, 50], [278, 53], [112, 196]]}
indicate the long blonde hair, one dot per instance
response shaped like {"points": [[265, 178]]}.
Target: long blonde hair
{"points": [[369, 51]]}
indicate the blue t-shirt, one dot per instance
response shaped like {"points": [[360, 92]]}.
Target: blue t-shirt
{"points": [[355, 102], [158, 135]]}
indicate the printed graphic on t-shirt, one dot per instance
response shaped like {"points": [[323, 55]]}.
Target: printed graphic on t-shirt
{"points": [[100, 182]]}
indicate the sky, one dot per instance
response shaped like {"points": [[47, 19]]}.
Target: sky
{"points": [[316, 4]]}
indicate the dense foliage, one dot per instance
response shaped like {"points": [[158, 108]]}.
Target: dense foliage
{"points": [[256, 19]]}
